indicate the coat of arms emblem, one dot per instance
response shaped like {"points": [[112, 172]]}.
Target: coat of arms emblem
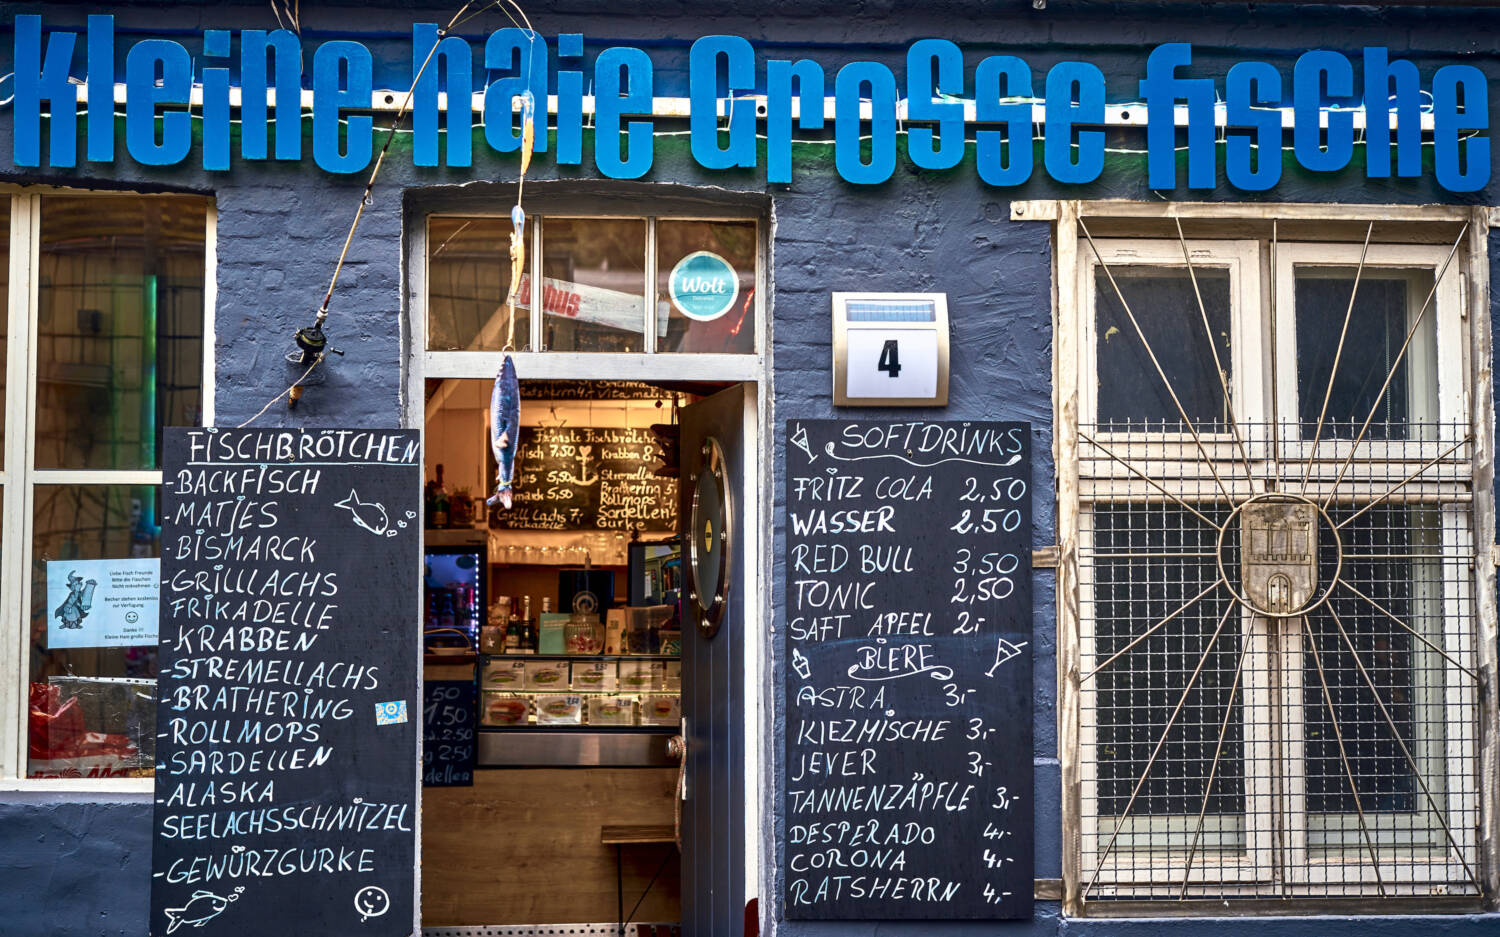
{"points": [[1279, 555]]}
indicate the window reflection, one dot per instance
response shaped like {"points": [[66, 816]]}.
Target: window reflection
{"points": [[92, 710], [119, 328], [1385, 309], [468, 279], [727, 326], [594, 284], [1162, 300]]}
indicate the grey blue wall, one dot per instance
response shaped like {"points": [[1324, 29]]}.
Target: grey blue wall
{"points": [[79, 865]]}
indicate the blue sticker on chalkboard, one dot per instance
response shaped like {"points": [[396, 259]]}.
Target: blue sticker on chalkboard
{"points": [[389, 714]]}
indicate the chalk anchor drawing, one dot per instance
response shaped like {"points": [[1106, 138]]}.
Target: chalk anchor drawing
{"points": [[368, 514], [203, 907]]}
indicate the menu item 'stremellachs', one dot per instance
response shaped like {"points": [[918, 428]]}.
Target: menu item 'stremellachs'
{"points": [[907, 617], [450, 711], [590, 478], [286, 738]]}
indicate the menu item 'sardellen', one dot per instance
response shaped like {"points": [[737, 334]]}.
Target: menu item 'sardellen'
{"points": [[907, 622], [289, 568]]}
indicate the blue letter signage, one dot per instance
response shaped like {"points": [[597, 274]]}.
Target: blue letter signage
{"points": [[1239, 132]]}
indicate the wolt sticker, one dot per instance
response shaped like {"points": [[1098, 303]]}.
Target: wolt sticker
{"points": [[703, 286]]}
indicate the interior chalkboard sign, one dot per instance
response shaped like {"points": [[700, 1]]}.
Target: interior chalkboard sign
{"points": [[589, 478], [907, 616], [286, 743], [450, 710]]}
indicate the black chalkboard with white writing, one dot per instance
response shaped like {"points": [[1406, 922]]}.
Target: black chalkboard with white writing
{"points": [[287, 771], [907, 616], [589, 478], [450, 710]]}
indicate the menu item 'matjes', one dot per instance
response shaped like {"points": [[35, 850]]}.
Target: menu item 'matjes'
{"points": [[287, 710], [907, 622]]}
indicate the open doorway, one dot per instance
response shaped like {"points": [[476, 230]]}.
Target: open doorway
{"points": [[604, 653]]}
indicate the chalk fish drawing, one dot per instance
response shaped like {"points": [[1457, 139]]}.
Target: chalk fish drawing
{"points": [[505, 431], [203, 907], [367, 514]]}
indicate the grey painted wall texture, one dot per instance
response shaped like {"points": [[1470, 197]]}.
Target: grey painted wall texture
{"points": [[79, 865]]}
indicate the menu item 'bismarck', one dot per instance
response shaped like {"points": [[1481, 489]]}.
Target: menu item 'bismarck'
{"points": [[907, 617], [590, 478], [286, 714]]}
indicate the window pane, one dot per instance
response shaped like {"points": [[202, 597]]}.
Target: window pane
{"points": [[1135, 587], [4, 304], [704, 307], [1409, 676], [1384, 308], [594, 284], [468, 278], [119, 328], [1131, 393], [92, 706]]}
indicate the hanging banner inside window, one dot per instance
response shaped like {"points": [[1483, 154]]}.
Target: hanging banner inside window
{"points": [[102, 603], [941, 102]]}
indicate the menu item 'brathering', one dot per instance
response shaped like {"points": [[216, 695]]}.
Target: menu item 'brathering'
{"points": [[907, 622]]}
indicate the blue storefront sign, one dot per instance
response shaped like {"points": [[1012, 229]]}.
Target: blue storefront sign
{"points": [[943, 102]]}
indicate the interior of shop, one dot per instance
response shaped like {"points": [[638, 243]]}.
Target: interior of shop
{"points": [[564, 610]]}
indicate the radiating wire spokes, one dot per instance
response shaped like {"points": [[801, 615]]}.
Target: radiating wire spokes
{"points": [[1375, 541]]}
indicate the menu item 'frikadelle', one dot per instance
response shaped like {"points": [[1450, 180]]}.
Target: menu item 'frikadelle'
{"points": [[287, 700], [907, 621]]}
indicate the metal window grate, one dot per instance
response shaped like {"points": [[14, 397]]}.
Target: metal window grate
{"points": [[1295, 714]]}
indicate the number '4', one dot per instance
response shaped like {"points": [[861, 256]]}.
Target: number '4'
{"points": [[890, 358]]}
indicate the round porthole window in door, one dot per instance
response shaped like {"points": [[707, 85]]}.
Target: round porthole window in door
{"points": [[708, 536]]}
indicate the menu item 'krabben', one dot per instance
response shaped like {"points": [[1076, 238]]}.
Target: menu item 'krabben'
{"points": [[590, 478], [286, 715], [907, 617]]}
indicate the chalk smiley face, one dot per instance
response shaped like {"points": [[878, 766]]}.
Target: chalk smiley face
{"points": [[371, 901]]}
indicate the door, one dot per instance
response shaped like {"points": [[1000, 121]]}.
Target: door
{"points": [[713, 648]]}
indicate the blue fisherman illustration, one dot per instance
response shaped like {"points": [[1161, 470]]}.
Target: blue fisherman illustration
{"points": [[75, 608]]}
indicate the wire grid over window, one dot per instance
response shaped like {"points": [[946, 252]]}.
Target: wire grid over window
{"points": [[1278, 683]]}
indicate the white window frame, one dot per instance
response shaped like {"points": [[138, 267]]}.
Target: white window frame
{"points": [[19, 479], [1073, 344], [751, 369]]}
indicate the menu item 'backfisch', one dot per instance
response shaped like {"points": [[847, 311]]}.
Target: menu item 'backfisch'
{"points": [[907, 620]]}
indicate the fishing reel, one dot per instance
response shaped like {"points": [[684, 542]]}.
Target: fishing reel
{"points": [[312, 347]]}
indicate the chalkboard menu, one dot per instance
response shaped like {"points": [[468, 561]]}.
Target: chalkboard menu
{"points": [[286, 742], [449, 713], [588, 478], [907, 617]]}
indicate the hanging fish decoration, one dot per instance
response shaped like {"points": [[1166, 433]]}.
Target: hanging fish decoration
{"points": [[505, 431], [528, 129]]}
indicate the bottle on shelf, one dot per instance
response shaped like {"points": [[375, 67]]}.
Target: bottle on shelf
{"points": [[440, 501]]}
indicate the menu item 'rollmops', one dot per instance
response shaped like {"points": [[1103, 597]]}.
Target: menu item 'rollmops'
{"points": [[287, 705], [907, 616]]}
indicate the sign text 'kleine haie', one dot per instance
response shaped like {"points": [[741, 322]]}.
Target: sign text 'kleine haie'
{"points": [[160, 79]]}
